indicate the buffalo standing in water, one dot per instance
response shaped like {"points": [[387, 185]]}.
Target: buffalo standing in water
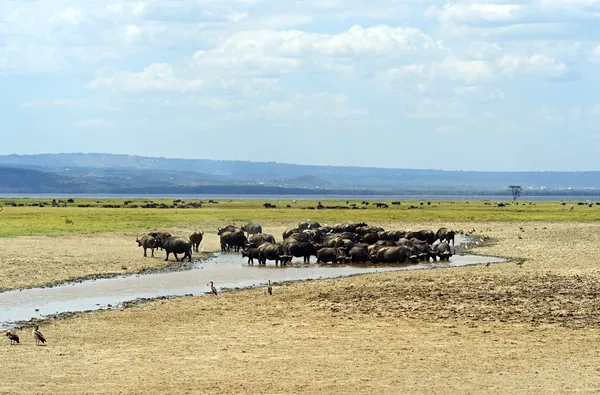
{"points": [[176, 245]]}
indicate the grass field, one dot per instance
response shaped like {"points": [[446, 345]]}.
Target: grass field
{"points": [[34, 220]]}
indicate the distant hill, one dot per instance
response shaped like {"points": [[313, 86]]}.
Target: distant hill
{"points": [[108, 173], [15, 180]]}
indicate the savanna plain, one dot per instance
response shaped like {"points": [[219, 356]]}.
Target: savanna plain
{"points": [[530, 325]]}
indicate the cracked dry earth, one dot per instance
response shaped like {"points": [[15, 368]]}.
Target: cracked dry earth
{"points": [[502, 329]]}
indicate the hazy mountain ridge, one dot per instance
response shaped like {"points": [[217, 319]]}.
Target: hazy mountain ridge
{"points": [[108, 173]]}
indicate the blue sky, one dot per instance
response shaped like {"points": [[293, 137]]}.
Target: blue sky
{"points": [[495, 85]]}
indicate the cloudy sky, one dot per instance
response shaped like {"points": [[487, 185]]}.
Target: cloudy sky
{"points": [[501, 85]]}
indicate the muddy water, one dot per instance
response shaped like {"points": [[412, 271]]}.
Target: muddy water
{"points": [[226, 270]]}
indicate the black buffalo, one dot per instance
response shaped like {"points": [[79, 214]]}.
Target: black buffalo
{"points": [[196, 239], [271, 252], [251, 254], [176, 245], [301, 249], [260, 238], [252, 229]]}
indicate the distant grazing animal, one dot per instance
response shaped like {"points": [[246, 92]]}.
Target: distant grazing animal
{"points": [[146, 242], [14, 338], [196, 239], [37, 335], [571, 208]]}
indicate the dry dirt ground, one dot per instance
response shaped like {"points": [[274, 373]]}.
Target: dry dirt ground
{"points": [[505, 328]]}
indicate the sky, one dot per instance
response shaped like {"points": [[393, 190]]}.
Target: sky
{"points": [[501, 85]]}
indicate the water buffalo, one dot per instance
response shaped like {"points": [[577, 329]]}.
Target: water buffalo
{"points": [[290, 231], [233, 240], [369, 238], [251, 254], [162, 235], [343, 235], [359, 253], [301, 249], [308, 225], [445, 234], [334, 255], [333, 242], [146, 242], [298, 237], [386, 243], [228, 228], [442, 250], [252, 229], [196, 239], [176, 245], [260, 238], [271, 252], [399, 254], [393, 235], [422, 249], [314, 235], [423, 235]]}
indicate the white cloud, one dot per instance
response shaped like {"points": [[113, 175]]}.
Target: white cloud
{"points": [[68, 15], [467, 70], [475, 12], [156, 77], [535, 64]]}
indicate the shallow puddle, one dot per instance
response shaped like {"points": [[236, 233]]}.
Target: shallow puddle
{"points": [[226, 270]]}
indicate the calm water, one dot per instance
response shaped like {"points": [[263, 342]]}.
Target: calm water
{"points": [[226, 270]]}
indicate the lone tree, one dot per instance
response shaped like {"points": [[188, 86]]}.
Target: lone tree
{"points": [[516, 191]]}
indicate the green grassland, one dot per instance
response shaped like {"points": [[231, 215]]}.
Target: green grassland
{"points": [[32, 220]]}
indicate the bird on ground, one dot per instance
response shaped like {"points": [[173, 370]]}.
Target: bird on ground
{"points": [[270, 288], [37, 335], [519, 263], [213, 290], [14, 338], [487, 264]]}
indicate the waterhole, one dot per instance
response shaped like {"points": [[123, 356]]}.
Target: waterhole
{"points": [[227, 271]]}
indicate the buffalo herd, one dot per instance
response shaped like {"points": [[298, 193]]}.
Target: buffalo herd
{"points": [[341, 243]]}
